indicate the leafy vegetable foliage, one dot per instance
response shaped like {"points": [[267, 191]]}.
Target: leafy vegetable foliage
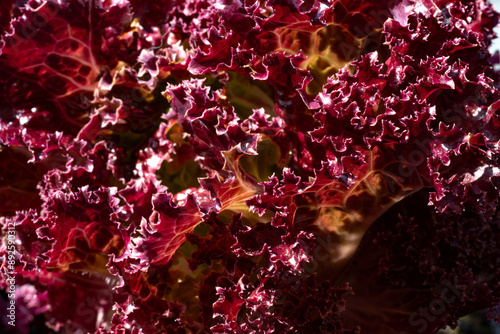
{"points": [[220, 166]]}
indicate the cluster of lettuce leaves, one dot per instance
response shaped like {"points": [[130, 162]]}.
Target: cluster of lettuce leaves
{"points": [[249, 166]]}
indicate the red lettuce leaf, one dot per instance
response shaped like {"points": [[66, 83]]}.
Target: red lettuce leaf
{"points": [[52, 62]]}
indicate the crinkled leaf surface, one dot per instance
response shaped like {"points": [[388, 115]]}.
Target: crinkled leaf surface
{"points": [[222, 166]]}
